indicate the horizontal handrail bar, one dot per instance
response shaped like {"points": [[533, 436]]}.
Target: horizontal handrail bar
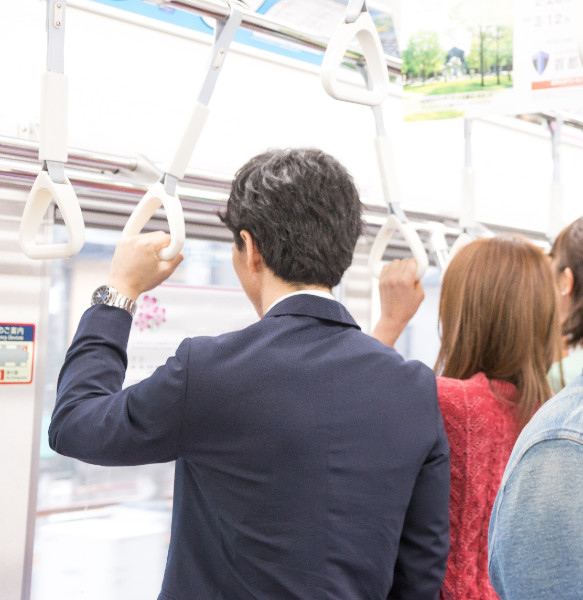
{"points": [[28, 149], [18, 149], [262, 24], [197, 195], [202, 193]]}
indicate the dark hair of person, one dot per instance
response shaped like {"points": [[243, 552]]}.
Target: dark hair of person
{"points": [[302, 209], [498, 316], [567, 251]]}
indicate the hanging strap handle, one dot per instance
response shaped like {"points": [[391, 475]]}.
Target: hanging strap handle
{"points": [[41, 194], [163, 193], [438, 245], [157, 197], [225, 31], [381, 241], [467, 219], [51, 183], [357, 24], [396, 221]]}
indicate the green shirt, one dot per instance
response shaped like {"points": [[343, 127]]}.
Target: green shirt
{"points": [[572, 367]]}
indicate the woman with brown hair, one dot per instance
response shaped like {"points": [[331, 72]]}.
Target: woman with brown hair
{"points": [[499, 330], [567, 262]]}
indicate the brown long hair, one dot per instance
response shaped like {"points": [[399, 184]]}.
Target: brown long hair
{"points": [[567, 251], [498, 315]]}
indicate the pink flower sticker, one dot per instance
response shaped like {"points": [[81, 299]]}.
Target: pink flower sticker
{"points": [[149, 314]]}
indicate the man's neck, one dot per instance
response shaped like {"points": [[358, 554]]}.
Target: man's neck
{"points": [[277, 288]]}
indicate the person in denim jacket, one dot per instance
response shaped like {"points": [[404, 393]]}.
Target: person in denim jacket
{"points": [[535, 540]]}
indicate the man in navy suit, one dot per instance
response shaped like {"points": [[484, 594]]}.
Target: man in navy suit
{"points": [[311, 460]]}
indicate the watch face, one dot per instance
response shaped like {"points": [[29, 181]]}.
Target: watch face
{"points": [[100, 295]]}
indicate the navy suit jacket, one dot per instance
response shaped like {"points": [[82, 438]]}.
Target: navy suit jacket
{"points": [[311, 460]]}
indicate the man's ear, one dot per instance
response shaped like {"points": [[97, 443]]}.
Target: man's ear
{"points": [[566, 281], [253, 256]]}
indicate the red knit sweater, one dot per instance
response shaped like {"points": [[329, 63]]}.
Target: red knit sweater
{"points": [[481, 429]]}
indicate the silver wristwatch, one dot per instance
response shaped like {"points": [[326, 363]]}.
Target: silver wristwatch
{"points": [[105, 294]]}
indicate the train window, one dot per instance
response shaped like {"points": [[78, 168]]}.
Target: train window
{"points": [[103, 532]]}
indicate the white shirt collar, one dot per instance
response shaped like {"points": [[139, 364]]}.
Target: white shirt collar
{"points": [[320, 293]]}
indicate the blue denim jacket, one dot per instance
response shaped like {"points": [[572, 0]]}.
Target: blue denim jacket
{"points": [[535, 541]]}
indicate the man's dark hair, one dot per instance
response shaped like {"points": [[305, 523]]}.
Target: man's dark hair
{"points": [[303, 211]]}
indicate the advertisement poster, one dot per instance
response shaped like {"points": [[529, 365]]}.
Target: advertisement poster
{"points": [[548, 71], [16, 352], [173, 312], [457, 57]]}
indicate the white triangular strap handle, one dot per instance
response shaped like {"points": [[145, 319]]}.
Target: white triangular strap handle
{"points": [[365, 32], [463, 240], [154, 198], [382, 239], [42, 193], [439, 246]]}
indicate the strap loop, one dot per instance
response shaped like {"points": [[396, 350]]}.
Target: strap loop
{"points": [[163, 193], [358, 23], [43, 191], [462, 240], [51, 183], [382, 239], [155, 198], [363, 28]]}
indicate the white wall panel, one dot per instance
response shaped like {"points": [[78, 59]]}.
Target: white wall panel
{"points": [[23, 300]]}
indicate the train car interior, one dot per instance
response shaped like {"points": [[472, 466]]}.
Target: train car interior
{"points": [[143, 112]]}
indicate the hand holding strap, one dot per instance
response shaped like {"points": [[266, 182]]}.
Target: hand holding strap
{"points": [[154, 198], [382, 239]]}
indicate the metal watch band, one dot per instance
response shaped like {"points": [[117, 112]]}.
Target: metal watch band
{"points": [[117, 299]]}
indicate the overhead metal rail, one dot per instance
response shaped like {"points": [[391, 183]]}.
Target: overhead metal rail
{"points": [[542, 118], [264, 25], [28, 150], [108, 187]]}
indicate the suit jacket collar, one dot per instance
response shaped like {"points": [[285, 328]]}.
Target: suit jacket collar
{"points": [[308, 305]]}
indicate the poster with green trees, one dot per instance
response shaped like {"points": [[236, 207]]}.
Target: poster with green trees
{"points": [[457, 57]]}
